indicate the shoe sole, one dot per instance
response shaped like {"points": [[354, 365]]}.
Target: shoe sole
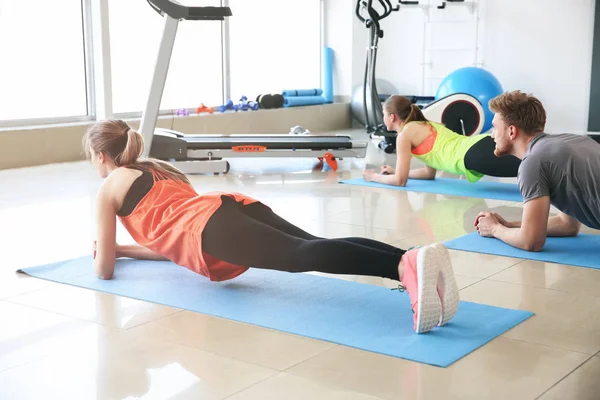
{"points": [[446, 286], [429, 307]]}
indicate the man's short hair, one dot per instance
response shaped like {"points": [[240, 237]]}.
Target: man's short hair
{"points": [[521, 110]]}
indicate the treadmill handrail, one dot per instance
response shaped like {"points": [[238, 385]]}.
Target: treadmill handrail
{"points": [[178, 11]]}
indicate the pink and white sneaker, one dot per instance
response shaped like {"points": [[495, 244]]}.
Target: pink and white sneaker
{"points": [[446, 286], [429, 281]]}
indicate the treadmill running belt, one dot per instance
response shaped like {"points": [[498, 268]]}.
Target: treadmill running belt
{"points": [[275, 143]]}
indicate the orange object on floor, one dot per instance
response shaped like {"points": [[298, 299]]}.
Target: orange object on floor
{"points": [[331, 161]]}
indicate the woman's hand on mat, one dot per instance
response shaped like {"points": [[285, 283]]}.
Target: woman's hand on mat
{"points": [[485, 223], [368, 175], [387, 170]]}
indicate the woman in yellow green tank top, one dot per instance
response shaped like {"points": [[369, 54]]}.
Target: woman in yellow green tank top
{"points": [[438, 148]]}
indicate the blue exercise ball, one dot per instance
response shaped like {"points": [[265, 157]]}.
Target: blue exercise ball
{"points": [[475, 81]]}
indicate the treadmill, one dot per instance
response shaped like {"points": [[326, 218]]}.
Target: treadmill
{"points": [[197, 154]]}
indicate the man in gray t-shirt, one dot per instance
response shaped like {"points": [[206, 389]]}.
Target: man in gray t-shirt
{"points": [[565, 168], [562, 170]]}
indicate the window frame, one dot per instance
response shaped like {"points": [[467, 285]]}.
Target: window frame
{"points": [[90, 83]]}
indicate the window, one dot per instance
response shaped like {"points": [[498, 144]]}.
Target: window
{"points": [[195, 72], [274, 45], [42, 68]]}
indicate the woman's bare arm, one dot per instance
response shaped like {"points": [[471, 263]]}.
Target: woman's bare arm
{"points": [[138, 252]]}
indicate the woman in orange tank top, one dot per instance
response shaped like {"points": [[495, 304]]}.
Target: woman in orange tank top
{"points": [[221, 235]]}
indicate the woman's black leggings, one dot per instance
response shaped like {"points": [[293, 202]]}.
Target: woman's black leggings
{"points": [[254, 236], [480, 158]]}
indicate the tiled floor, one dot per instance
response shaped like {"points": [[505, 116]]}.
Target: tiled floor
{"points": [[62, 342]]}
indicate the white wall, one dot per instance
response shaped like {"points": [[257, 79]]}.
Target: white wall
{"points": [[338, 21], [544, 47], [399, 58], [539, 46], [344, 33]]}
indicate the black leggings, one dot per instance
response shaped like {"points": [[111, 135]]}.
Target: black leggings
{"points": [[254, 236], [480, 158]]}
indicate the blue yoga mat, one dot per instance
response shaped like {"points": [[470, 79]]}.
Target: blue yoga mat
{"points": [[362, 316], [328, 74], [295, 101], [454, 187], [302, 92], [580, 251]]}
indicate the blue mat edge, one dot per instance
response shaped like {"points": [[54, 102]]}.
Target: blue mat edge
{"points": [[363, 183], [441, 179], [524, 316], [450, 245], [25, 271], [519, 317]]}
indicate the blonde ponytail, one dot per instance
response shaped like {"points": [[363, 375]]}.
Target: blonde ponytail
{"points": [[124, 145], [133, 149]]}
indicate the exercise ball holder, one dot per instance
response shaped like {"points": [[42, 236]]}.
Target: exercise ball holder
{"points": [[459, 111], [372, 108], [370, 112]]}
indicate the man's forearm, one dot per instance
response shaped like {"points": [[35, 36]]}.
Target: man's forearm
{"points": [[514, 237], [140, 253], [557, 226]]}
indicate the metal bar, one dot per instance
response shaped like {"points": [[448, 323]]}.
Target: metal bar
{"points": [[201, 167], [18, 124], [101, 59], [150, 114], [88, 48], [226, 55], [217, 153]]}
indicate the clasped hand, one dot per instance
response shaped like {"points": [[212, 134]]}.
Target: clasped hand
{"points": [[486, 223]]}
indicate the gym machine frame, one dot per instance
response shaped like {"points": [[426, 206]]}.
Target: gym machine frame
{"points": [[460, 112], [195, 154]]}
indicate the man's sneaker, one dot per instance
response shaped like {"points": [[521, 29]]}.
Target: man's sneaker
{"points": [[446, 285], [420, 277]]}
